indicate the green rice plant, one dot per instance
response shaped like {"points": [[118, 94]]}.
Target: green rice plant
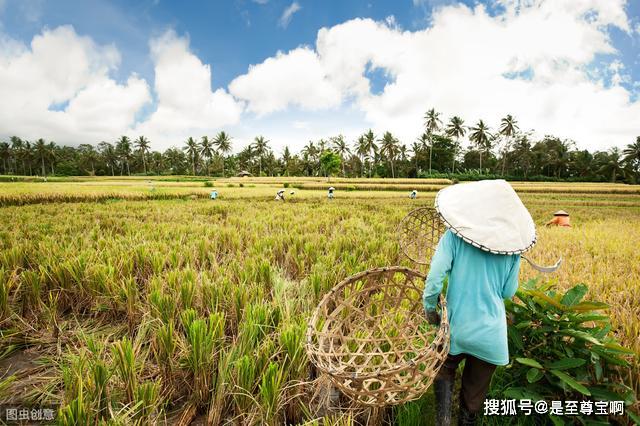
{"points": [[187, 317], [187, 292], [259, 319], [163, 306], [216, 296], [146, 399], [125, 365], [6, 283], [13, 258], [291, 339], [203, 338], [246, 376], [220, 392], [31, 283], [50, 312], [165, 346], [5, 387], [270, 391], [75, 413], [100, 376], [129, 296], [74, 370]]}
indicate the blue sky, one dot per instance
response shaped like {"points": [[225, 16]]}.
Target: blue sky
{"points": [[229, 36]]}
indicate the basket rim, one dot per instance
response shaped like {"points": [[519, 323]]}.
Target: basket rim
{"points": [[443, 328]]}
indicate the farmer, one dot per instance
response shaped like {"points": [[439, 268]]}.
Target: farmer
{"points": [[214, 194], [280, 195], [330, 195], [488, 228], [560, 218], [413, 195]]}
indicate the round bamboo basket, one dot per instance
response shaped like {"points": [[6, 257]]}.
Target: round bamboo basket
{"points": [[370, 336], [419, 233]]}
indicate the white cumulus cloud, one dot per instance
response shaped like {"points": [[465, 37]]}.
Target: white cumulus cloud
{"points": [[59, 88], [531, 60], [187, 105], [293, 79]]}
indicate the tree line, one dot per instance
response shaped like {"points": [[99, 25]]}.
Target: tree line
{"points": [[437, 151]]}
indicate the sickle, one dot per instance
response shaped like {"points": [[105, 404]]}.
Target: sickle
{"points": [[544, 269]]}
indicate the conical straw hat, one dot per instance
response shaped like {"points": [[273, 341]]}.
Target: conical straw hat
{"points": [[487, 214]]}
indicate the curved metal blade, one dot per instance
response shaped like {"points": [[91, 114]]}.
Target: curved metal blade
{"points": [[544, 269]]}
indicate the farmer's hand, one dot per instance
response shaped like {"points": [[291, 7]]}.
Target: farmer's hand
{"points": [[433, 318]]}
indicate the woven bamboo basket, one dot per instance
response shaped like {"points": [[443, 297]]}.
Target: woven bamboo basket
{"points": [[370, 336], [418, 234]]}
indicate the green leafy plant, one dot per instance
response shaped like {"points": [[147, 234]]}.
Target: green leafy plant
{"points": [[561, 348]]}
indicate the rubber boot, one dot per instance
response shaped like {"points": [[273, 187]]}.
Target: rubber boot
{"points": [[466, 417], [443, 389]]}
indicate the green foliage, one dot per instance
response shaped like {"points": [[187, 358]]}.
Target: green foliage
{"points": [[562, 348], [330, 163], [270, 392], [125, 361]]}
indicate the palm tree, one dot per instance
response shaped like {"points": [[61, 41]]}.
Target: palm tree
{"points": [[613, 165], [41, 153], [27, 155], [632, 155], [52, 153], [508, 128], [88, 154], [286, 158], [207, 151], [432, 124], [223, 143], [371, 147], [191, 148], [142, 144], [389, 147], [402, 153], [341, 148], [480, 136], [17, 146], [123, 148], [260, 147], [456, 129], [5, 154], [416, 147], [109, 155], [310, 156], [362, 152]]}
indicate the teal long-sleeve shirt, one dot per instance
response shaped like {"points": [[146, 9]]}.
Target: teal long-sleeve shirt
{"points": [[478, 283]]}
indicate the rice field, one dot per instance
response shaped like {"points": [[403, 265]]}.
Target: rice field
{"points": [[133, 300]]}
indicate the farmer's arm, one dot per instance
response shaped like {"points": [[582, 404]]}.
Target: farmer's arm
{"points": [[440, 266], [511, 284]]}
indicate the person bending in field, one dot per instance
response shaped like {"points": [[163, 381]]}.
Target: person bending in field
{"points": [[280, 195], [488, 228]]}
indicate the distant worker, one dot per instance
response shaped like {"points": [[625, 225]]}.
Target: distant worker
{"points": [[292, 192], [413, 195], [214, 194], [280, 195], [560, 218], [330, 195]]}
